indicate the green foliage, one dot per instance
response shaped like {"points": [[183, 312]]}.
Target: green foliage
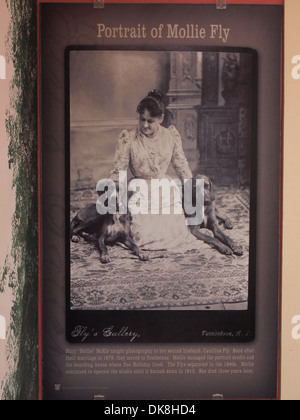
{"points": [[22, 273]]}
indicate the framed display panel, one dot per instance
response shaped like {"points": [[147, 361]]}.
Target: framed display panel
{"points": [[195, 277], [222, 93]]}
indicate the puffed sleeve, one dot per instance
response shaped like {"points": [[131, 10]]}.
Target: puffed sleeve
{"points": [[179, 160], [122, 155]]}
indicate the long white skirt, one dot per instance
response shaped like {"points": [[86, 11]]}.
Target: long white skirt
{"points": [[161, 231]]}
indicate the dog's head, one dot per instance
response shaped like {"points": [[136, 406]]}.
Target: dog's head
{"points": [[111, 191], [209, 194], [86, 220]]}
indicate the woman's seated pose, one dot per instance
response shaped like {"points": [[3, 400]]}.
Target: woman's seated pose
{"points": [[148, 151]]}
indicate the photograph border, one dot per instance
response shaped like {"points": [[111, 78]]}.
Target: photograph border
{"points": [[174, 326]]}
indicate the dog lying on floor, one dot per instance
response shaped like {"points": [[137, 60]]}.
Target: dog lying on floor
{"points": [[220, 241], [109, 230]]}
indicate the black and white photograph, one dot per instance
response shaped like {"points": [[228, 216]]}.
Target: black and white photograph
{"points": [[136, 117]]}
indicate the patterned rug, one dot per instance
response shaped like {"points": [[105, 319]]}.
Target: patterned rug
{"points": [[195, 275]]}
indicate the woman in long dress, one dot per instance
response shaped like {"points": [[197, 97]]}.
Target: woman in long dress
{"points": [[148, 151]]}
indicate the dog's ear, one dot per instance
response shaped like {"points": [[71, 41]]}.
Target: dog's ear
{"points": [[75, 222], [117, 186], [212, 190], [187, 189]]}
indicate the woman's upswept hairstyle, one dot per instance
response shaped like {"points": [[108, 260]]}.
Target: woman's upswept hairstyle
{"points": [[154, 103]]}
